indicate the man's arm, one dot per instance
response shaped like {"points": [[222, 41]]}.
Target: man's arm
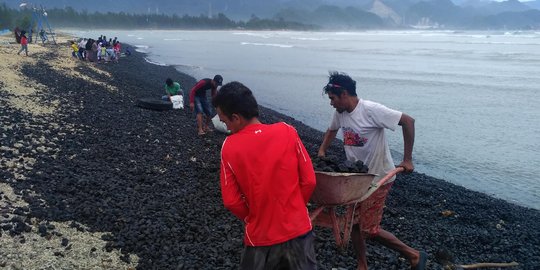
{"points": [[305, 171], [329, 136], [407, 124], [233, 199], [179, 90], [167, 92]]}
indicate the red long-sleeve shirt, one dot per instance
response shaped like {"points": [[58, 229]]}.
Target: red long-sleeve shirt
{"points": [[200, 89], [266, 180]]}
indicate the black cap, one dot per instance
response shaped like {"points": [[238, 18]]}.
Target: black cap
{"points": [[218, 79]]}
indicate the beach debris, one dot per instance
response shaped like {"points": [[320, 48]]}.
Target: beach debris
{"points": [[448, 213], [486, 265], [446, 258], [500, 225]]}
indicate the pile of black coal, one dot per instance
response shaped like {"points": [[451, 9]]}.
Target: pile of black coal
{"points": [[334, 164]]}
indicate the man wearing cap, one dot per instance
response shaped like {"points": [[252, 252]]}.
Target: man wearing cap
{"points": [[363, 123], [199, 103]]}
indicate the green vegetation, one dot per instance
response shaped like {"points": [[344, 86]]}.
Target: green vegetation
{"points": [[68, 17]]}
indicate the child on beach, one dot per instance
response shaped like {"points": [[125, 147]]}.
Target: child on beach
{"points": [[24, 43], [117, 48], [75, 48]]}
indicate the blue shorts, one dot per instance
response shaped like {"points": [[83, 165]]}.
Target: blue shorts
{"points": [[202, 106]]}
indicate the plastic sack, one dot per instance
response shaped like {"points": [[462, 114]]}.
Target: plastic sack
{"points": [[177, 102], [219, 126]]}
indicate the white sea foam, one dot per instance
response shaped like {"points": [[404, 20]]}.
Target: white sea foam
{"points": [[141, 48], [154, 63], [267, 44], [262, 35], [305, 38]]}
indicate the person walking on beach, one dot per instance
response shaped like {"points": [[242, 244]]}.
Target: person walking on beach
{"points": [[24, 43], [363, 123], [43, 36], [266, 181], [199, 103], [171, 89], [82, 48], [75, 49]]}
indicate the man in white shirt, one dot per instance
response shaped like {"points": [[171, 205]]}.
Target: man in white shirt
{"points": [[363, 123]]}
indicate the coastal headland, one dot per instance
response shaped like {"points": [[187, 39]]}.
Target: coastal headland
{"points": [[90, 181]]}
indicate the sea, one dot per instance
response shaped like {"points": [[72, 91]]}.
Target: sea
{"points": [[475, 95]]}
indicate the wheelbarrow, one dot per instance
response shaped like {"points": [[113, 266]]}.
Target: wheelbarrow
{"points": [[342, 189]]}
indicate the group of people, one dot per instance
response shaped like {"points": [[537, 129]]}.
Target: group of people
{"points": [[267, 177], [100, 50], [198, 101]]}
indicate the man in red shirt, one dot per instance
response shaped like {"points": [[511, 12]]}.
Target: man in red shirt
{"points": [[199, 103], [266, 181]]}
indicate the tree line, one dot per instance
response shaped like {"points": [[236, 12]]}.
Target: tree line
{"points": [[69, 17]]}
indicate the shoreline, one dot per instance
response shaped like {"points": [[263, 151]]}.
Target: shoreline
{"points": [[150, 185], [512, 180]]}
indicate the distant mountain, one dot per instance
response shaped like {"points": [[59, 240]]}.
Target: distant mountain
{"points": [[388, 14], [329, 14], [533, 4], [525, 20], [334, 17], [494, 8], [436, 13]]}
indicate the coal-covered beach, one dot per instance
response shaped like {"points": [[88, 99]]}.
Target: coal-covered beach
{"points": [[88, 180]]}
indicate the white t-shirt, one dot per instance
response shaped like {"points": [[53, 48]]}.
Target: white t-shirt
{"points": [[363, 135]]}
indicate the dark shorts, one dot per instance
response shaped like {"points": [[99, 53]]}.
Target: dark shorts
{"points": [[295, 254], [202, 106]]}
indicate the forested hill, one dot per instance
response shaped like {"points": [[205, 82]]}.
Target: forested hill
{"points": [[291, 14], [69, 18]]}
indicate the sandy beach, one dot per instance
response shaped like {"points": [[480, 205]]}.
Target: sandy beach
{"points": [[88, 180]]}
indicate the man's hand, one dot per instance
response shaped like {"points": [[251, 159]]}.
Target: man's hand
{"points": [[192, 106], [407, 165]]}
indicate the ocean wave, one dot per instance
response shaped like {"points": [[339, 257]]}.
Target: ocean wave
{"points": [[304, 38], [268, 44], [172, 39], [262, 35], [154, 63], [141, 48]]}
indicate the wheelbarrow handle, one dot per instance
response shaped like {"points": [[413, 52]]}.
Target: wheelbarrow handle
{"points": [[389, 175]]}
